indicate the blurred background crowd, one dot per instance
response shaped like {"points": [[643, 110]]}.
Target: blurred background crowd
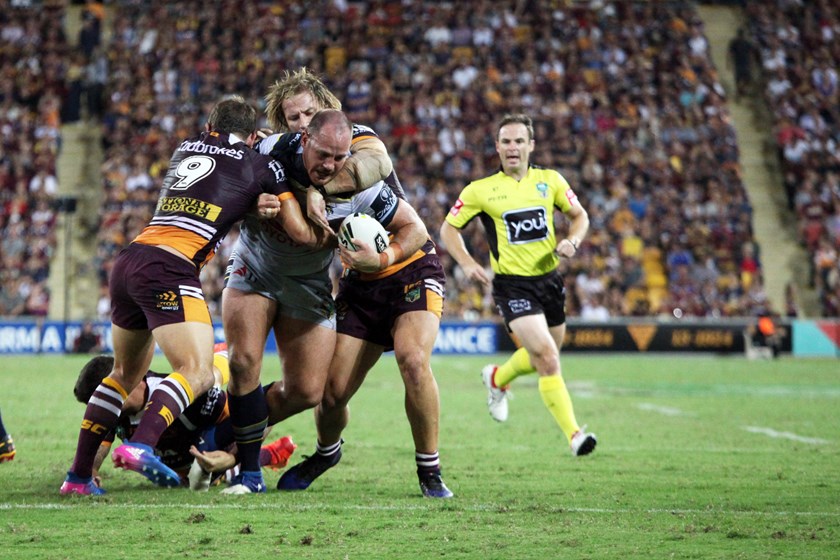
{"points": [[626, 101]]}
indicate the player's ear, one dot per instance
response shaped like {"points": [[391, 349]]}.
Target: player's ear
{"points": [[252, 139], [207, 127]]}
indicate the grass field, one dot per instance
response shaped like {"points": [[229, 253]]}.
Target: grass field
{"points": [[698, 457]]}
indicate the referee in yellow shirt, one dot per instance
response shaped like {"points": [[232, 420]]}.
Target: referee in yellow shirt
{"points": [[516, 207]]}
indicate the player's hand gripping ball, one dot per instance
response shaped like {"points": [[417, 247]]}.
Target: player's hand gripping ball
{"points": [[363, 228]]}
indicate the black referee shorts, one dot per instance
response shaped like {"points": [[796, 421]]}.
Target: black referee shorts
{"points": [[518, 296]]}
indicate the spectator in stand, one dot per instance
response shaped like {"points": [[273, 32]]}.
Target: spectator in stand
{"points": [[807, 123], [742, 54], [12, 296], [88, 341], [30, 119]]}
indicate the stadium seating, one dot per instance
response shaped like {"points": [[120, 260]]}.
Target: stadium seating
{"points": [[625, 99], [800, 62], [33, 63]]}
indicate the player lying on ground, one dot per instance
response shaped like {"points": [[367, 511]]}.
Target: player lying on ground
{"points": [[203, 428]]}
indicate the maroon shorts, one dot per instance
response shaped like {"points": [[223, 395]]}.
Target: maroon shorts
{"points": [[517, 296], [151, 287], [368, 309]]}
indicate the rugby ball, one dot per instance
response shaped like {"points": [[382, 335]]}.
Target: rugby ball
{"points": [[364, 228]]}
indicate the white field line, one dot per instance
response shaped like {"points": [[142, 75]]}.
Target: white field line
{"points": [[664, 410], [770, 432], [83, 502]]}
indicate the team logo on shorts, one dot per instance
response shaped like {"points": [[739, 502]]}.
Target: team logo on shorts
{"points": [[340, 310], [167, 301], [519, 305], [412, 292]]}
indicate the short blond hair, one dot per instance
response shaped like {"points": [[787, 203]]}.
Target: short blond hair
{"points": [[291, 84]]}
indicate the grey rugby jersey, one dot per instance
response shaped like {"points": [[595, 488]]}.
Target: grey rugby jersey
{"points": [[268, 249]]}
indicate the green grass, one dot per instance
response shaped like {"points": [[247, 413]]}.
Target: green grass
{"points": [[698, 457]]}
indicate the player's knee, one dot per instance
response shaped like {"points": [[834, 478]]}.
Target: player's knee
{"points": [[310, 399], [303, 397], [333, 400], [414, 367], [199, 376], [546, 360], [243, 365]]}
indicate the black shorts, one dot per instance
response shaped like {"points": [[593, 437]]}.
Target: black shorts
{"points": [[151, 287], [518, 296], [368, 309]]}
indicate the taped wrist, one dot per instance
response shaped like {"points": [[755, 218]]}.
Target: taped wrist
{"points": [[394, 253]]}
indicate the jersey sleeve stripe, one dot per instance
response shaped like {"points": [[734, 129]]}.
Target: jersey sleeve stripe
{"points": [[185, 223], [191, 291]]}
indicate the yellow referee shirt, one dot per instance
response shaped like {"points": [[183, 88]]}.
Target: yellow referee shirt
{"points": [[518, 217]]}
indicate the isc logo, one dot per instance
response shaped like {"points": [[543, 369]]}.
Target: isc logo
{"points": [[381, 245], [93, 427], [525, 225]]}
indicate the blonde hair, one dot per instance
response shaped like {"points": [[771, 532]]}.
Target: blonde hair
{"points": [[291, 84]]}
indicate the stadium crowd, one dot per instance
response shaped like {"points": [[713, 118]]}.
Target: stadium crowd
{"points": [[33, 82], [799, 51], [626, 102]]}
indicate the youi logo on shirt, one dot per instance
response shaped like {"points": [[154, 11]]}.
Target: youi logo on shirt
{"points": [[525, 225]]}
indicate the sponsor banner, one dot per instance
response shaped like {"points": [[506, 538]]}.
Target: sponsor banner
{"points": [[467, 338], [724, 337], [54, 337], [47, 337]]}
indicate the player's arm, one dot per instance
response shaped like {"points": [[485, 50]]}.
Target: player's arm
{"points": [[409, 235], [299, 228], [101, 455], [267, 206], [577, 230], [368, 164], [457, 249], [213, 461]]}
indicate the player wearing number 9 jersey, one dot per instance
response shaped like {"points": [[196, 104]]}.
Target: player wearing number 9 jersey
{"points": [[214, 179]]}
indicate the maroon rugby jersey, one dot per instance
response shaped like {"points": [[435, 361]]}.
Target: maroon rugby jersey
{"points": [[208, 410], [213, 181]]}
